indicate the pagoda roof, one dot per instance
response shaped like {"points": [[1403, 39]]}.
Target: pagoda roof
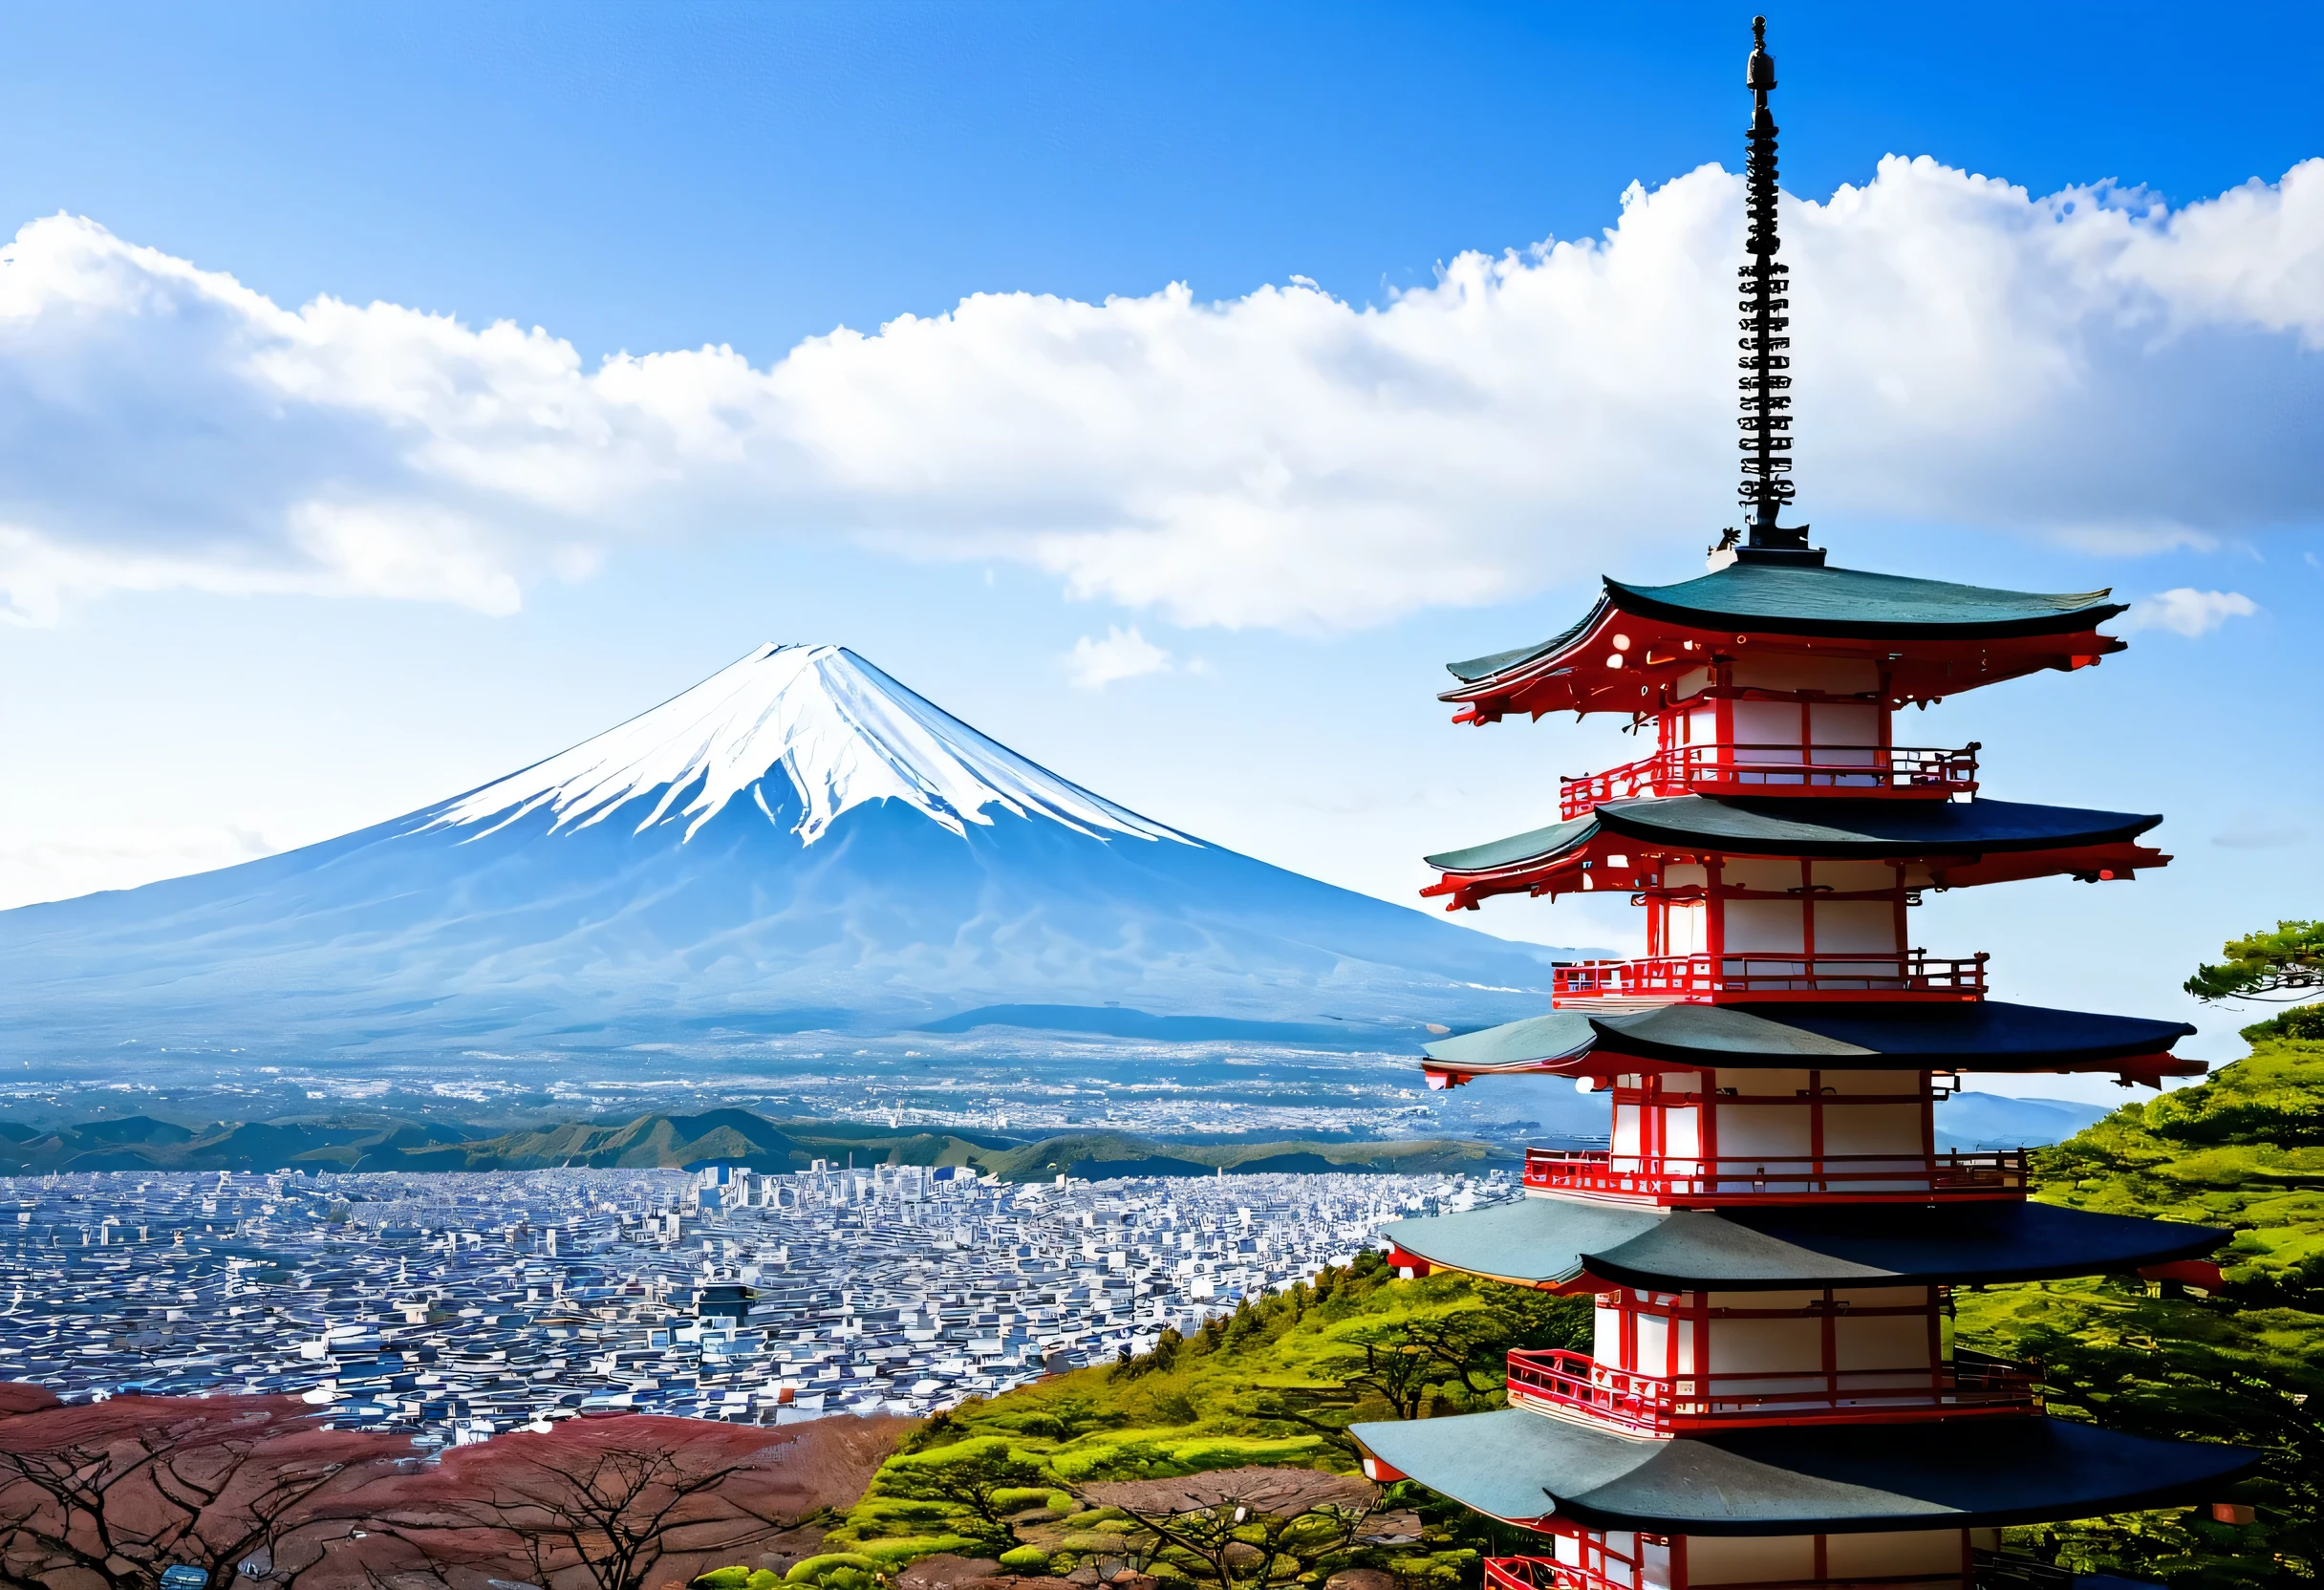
{"points": [[1524, 1045], [1815, 600], [1794, 598], [1931, 637], [1871, 1034], [1966, 841], [1839, 830], [1520, 1465], [1555, 1242], [1986, 1034]]}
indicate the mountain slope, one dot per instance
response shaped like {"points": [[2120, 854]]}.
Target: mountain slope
{"points": [[798, 842]]}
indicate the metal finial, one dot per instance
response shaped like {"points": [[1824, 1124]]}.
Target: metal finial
{"points": [[1766, 386]]}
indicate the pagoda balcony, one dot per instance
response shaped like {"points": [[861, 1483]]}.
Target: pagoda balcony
{"points": [[1574, 1385], [1544, 1572], [1703, 980], [1744, 1179], [1860, 771]]}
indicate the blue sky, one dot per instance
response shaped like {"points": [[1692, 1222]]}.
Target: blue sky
{"points": [[255, 610]]}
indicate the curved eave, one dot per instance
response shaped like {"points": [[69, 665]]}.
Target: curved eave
{"points": [[1963, 843], [1523, 1468], [1985, 1035], [1868, 830], [1519, 662], [1573, 1245], [1924, 656], [1988, 1035], [1529, 1044], [2012, 615]]}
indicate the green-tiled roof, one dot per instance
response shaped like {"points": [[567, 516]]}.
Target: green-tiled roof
{"points": [[1518, 1464], [1794, 599], [1485, 667], [1547, 1241], [1871, 1034], [1777, 827], [1536, 1037], [1986, 1035], [1554, 840], [1802, 600]]}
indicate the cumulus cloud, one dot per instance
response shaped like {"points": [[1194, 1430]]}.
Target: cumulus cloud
{"points": [[2082, 364], [2188, 611], [1122, 654]]}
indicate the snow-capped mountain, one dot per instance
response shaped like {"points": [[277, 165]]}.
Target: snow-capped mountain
{"points": [[799, 842], [842, 732]]}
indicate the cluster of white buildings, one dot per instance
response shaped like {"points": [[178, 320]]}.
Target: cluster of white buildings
{"points": [[460, 1305]]}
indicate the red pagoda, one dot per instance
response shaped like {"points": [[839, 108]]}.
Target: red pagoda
{"points": [[1773, 1397]]}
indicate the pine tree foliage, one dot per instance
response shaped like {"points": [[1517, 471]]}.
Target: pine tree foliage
{"points": [[2287, 961]]}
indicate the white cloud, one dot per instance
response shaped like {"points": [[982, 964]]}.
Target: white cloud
{"points": [[2080, 365], [2188, 611], [1122, 654], [58, 863]]}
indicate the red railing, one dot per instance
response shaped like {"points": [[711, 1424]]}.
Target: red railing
{"points": [[1766, 1179], [1768, 974], [1576, 1385], [1778, 769], [1543, 1572]]}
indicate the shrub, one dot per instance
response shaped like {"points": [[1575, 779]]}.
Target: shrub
{"points": [[2303, 1022]]}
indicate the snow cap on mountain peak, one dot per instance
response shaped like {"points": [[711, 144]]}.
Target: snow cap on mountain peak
{"points": [[838, 729]]}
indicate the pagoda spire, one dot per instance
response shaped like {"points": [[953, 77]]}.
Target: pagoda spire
{"points": [[1766, 385]]}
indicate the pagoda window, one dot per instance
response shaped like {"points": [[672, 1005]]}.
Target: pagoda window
{"points": [[1788, 675], [1772, 920], [1763, 909], [1758, 1115], [1776, 1354], [1751, 1558], [1902, 1556], [1873, 1112]]}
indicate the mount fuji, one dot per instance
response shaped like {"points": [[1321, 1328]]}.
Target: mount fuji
{"points": [[798, 842]]}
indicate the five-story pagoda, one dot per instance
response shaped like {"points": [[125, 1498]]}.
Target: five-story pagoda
{"points": [[1773, 1397]]}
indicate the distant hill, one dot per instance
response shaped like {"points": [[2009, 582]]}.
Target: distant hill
{"points": [[1970, 1119], [1098, 1156], [719, 1136]]}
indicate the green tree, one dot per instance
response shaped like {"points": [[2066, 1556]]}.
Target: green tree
{"points": [[1247, 1528], [2288, 963], [1404, 1357], [970, 1476]]}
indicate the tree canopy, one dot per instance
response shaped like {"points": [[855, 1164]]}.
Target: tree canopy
{"points": [[2285, 963]]}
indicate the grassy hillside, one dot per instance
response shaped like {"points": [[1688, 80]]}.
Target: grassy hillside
{"points": [[2244, 1150], [1275, 1382]]}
